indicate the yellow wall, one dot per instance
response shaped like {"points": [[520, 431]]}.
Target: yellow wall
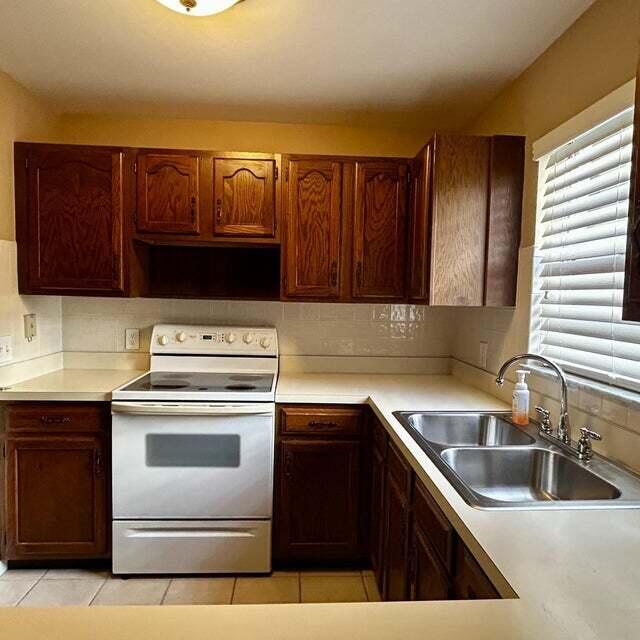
{"points": [[22, 117], [239, 136], [596, 55]]}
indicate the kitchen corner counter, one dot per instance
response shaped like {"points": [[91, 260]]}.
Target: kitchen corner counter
{"points": [[87, 385], [565, 574]]}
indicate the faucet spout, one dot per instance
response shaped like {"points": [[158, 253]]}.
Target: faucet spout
{"points": [[564, 429]]}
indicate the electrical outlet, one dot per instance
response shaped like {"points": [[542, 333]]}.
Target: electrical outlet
{"points": [[6, 348], [484, 354], [132, 339], [30, 327]]}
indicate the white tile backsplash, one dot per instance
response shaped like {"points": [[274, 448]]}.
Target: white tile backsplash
{"points": [[98, 324]]}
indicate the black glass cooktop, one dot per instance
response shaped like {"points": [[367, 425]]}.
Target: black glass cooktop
{"points": [[202, 381]]}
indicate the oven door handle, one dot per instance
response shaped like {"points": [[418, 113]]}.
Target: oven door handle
{"points": [[183, 409]]}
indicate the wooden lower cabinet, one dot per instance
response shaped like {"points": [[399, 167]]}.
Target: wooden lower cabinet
{"points": [[471, 583], [56, 484], [377, 496], [319, 488], [428, 579]]}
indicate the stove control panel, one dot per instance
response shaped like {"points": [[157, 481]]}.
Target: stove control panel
{"points": [[214, 340]]}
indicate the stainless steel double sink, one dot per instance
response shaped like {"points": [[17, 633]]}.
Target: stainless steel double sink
{"points": [[494, 464]]}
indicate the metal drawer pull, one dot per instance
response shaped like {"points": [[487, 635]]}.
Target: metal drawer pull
{"points": [[318, 424], [55, 419]]}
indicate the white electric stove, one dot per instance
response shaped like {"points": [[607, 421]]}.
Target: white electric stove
{"points": [[193, 449]]}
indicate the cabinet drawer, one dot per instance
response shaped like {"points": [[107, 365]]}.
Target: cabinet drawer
{"points": [[399, 469], [434, 523], [55, 416], [320, 420]]}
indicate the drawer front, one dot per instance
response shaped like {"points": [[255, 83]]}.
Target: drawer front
{"points": [[320, 420], [55, 417], [399, 469], [437, 528]]}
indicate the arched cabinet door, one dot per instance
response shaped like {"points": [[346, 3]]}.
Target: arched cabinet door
{"points": [[379, 230], [69, 219], [314, 214], [244, 201], [168, 193]]}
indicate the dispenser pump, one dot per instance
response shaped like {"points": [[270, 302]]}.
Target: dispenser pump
{"points": [[520, 403]]}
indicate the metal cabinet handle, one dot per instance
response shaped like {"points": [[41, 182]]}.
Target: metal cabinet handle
{"points": [[219, 211], [55, 419], [334, 273], [319, 424], [288, 463], [97, 463]]}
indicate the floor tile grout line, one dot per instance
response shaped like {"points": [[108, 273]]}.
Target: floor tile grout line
{"points": [[164, 595], [98, 592], [364, 586], [29, 590], [233, 589], [299, 587]]}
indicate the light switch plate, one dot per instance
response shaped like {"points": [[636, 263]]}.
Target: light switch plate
{"points": [[6, 348], [30, 327], [132, 339], [483, 355]]}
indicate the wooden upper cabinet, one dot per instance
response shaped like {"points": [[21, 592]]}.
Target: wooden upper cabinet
{"points": [[69, 219], [631, 303], [379, 241], [420, 224], [459, 220], [245, 197], [313, 220], [168, 193]]}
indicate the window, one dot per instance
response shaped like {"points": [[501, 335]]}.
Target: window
{"points": [[581, 242]]}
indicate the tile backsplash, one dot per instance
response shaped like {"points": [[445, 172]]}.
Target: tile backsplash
{"points": [[98, 324]]}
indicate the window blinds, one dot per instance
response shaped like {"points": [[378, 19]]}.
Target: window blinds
{"points": [[582, 225]]}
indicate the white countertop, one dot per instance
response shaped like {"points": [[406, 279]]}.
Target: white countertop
{"points": [[576, 573]]}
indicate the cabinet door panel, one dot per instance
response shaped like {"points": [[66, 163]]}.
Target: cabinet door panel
{"points": [[314, 211], [56, 497], [168, 198], [429, 580], [460, 192], [396, 581], [74, 233], [317, 513], [420, 225], [471, 582], [245, 202], [379, 230]]}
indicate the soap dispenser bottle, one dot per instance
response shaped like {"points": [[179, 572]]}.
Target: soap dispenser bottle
{"points": [[520, 403]]}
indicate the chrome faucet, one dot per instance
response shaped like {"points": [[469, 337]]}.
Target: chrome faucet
{"points": [[564, 429]]}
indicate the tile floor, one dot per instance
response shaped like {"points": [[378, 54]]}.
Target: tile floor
{"points": [[86, 587]]}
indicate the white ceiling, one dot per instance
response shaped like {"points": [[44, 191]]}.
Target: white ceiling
{"points": [[407, 63]]}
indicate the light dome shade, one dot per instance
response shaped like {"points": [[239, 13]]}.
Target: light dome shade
{"points": [[198, 7]]}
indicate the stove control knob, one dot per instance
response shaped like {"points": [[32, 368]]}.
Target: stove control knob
{"points": [[248, 338], [230, 338], [181, 337], [163, 340], [265, 343]]}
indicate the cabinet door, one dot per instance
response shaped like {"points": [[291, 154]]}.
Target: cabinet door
{"points": [[429, 580], [631, 303], [168, 198], [471, 582], [377, 527], [317, 512], [379, 241], [314, 211], [420, 225], [396, 581], [459, 220], [245, 197], [70, 235], [56, 497]]}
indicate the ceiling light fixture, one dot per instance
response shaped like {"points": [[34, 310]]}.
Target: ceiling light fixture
{"points": [[198, 7]]}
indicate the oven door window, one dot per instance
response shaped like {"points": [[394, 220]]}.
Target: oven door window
{"points": [[192, 450]]}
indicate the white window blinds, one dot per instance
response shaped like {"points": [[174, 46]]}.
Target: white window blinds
{"points": [[578, 286]]}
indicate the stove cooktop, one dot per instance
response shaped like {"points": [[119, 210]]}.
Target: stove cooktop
{"points": [[201, 381]]}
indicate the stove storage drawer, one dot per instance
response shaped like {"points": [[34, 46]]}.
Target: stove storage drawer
{"points": [[193, 546], [323, 420]]}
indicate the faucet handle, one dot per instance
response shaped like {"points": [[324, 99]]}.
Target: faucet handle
{"points": [[585, 452], [545, 414], [588, 434]]}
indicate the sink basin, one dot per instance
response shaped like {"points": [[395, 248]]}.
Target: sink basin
{"points": [[465, 429], [526, 475]]}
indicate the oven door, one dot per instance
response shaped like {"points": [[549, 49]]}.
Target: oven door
{"points": [[192, 460]]}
